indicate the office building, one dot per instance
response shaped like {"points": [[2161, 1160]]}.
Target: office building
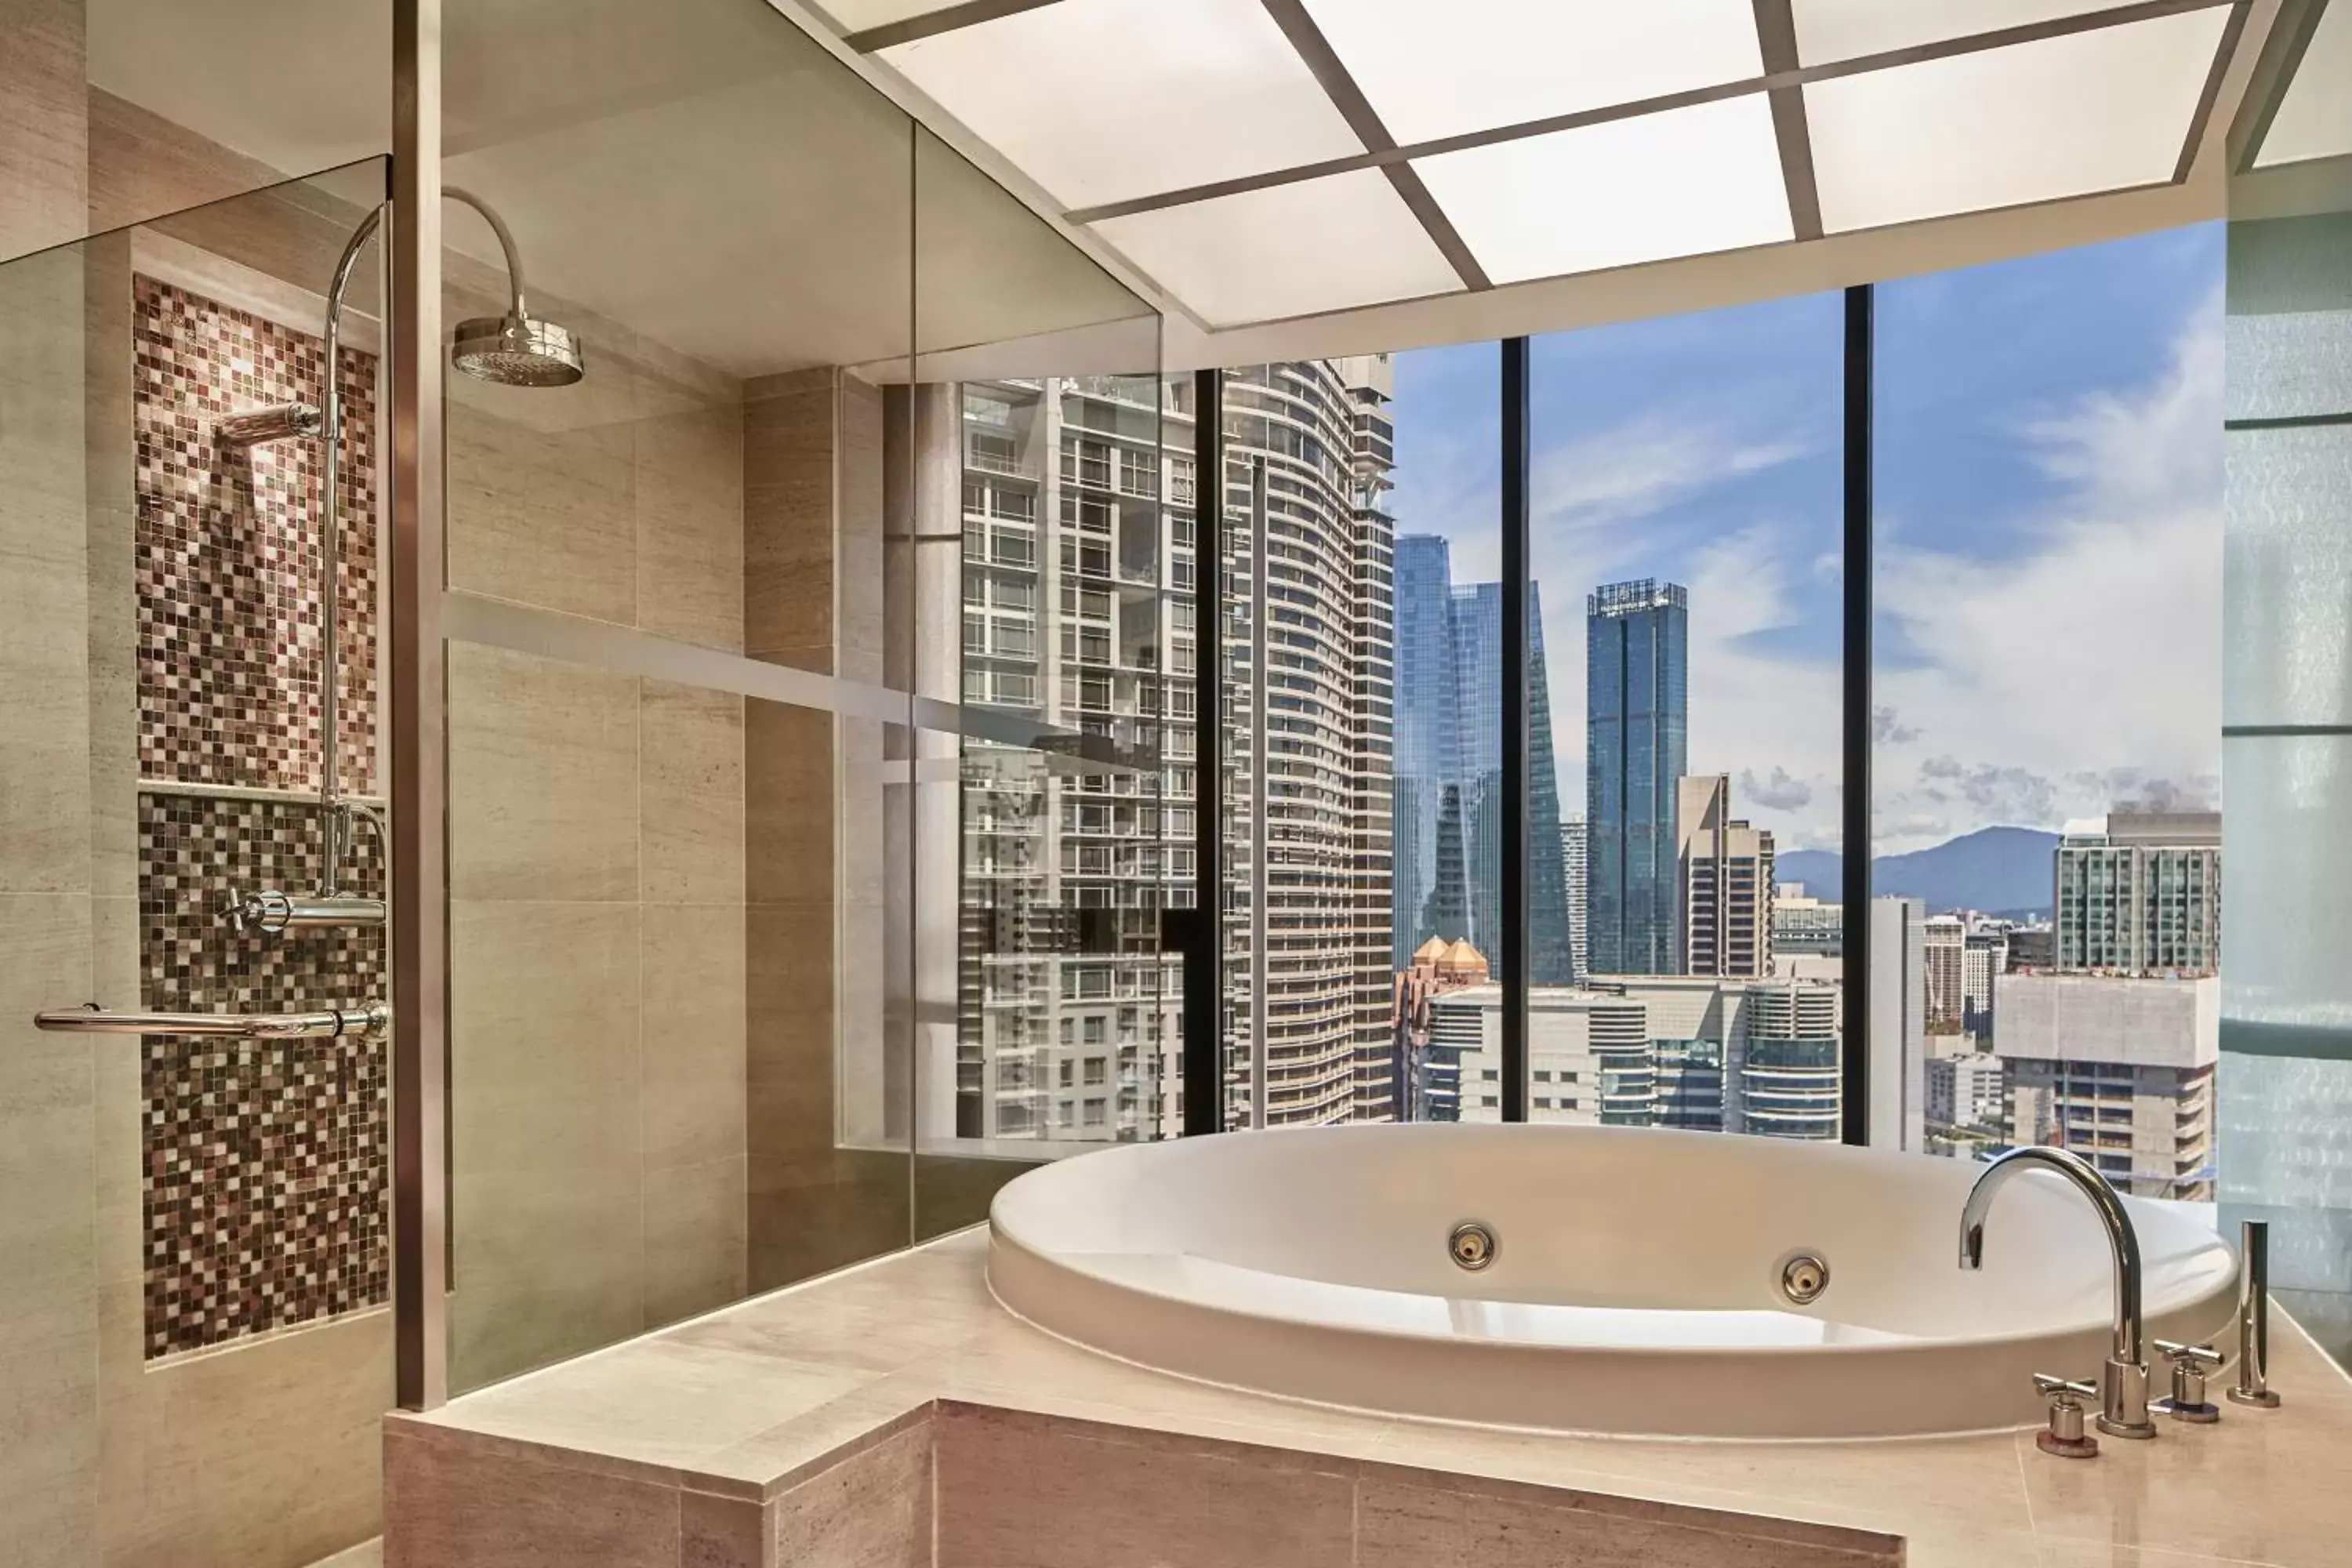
{"points": [[1723, 920], [2120, 1071], [1896, 952], [1448, 798], [1571, 864], [1804, 926], [1426, 1070], [1943, 949], [1983, 959], [1965, 1092], [1080, 560], [2139, 893], [1637, 723], [1788, 1072]]}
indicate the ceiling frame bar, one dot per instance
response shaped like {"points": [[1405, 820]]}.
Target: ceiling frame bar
{"points": [[1776, 38], [1770, 81], [1322, 62], [954, 19], [2202, 120], [2274, 74]]}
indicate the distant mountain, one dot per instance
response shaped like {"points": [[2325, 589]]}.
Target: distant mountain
{"points": [[2001, 870]]}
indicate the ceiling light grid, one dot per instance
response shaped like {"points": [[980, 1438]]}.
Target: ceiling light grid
{"points": [[1525, 139]]}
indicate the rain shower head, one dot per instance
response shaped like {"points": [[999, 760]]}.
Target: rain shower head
{"points": [[517, 349]]}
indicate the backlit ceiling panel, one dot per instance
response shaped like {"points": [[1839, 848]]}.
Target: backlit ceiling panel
{"points": [[1267, 159]]}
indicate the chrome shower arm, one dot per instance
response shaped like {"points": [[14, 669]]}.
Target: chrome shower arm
{"points": [[506, 243]]}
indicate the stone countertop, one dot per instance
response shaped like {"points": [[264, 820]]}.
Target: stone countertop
{"points": [[743, 1402]]}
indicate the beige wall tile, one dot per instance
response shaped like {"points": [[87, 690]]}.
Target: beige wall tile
{"points": [[545, 1070], [111, 511], [721, 1531], [143, 166], [542, 492], [789, 805], [44, 807], [44, 125], [695, 1238], [1175, 1508], [689, 488], [871, 1511], [48, 1267], [693, 1071], [690, 794], [789, 423], [451, 1507], [543, 778], [267, 1454]]}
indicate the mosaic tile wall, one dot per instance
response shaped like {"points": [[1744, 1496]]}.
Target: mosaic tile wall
{"points": [[227, 553], [266, 1163]]}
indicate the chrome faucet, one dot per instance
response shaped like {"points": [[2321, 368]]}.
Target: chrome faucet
{"points": [[2122, 1384]]}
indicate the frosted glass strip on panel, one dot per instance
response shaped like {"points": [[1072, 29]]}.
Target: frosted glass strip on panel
{"points": [[1100, 100], [2314, 119], [1831, 30], [1287, 250], [2287, 577], [2283, 967], [1679, 183], [2063, 117], [1432, 71], [2290, 364]]}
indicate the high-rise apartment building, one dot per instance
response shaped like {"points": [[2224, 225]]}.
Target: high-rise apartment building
{"points": [[1082, 559], [1449, 780], [2140, 893], [1943, 941], [1723, 923], [1637, 723], [1572, 865], [2118, 1069], [1894, 946], [1964, 1091], [1804, 926], [1982, 960]]}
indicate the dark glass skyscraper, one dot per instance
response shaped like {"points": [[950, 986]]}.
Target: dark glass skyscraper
{"points": [[1449, 768], [1637, 731]]}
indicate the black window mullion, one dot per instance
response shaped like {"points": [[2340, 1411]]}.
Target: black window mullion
{"points": [[1514, 729], [1203, 939], [1853, 1058]]}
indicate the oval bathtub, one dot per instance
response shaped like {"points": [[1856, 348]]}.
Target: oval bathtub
{"points": [[1634, 1286]]}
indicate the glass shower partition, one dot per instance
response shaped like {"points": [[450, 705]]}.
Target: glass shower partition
{"points": [[195, 1262]]}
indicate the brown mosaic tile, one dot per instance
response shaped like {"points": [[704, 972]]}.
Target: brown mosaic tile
{"points": [[266, 1161], [227, 551]]}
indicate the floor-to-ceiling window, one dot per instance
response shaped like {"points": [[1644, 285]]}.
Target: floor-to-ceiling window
{"points": [[1684, 766], [2046, 716]]}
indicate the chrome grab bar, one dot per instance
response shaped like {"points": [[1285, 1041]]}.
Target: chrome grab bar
{"points": [[372, 1020]]}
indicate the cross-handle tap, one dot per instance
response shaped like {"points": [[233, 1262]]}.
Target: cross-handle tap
{"points": [[2123, 1382]]}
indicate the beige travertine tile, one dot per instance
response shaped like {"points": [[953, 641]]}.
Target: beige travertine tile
{"points": [[543, 778], [545, 1132], [449, 1508], [695, 1241], [45, 759], [773, 1462], [789, 536], [789, 805], [689, 488], [1402, 1525], [659, 1404], [265, 1451], [722, 1531], [690, 799], [876, 1322], [693, 1074], [542, 486], [43, 123], [999, 1478], [873, 1509]]}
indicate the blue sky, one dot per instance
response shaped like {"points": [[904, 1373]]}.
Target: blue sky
{"points": [[2049, 508]]}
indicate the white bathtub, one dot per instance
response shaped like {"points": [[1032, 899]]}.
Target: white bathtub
{"points": [[1634, 1288]]}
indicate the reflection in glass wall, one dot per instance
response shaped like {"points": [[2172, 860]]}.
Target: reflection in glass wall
{"points": [[2048, 689], [1685, 649], [196, 1252]]}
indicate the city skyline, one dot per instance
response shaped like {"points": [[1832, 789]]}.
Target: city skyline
{"points": [[2083, 444]]}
